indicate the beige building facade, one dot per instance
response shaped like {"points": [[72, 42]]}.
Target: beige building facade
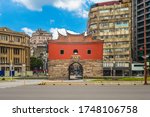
{"points": [[111, 22], [39, 41], [14, 50]]}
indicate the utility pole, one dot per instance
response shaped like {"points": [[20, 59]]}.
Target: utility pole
{"points": [[145, 52]]}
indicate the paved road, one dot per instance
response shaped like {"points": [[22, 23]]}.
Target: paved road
{"points": [[76, 92]]}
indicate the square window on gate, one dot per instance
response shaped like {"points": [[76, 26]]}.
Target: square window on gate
{"points": [[61, 51], [89, 52]]}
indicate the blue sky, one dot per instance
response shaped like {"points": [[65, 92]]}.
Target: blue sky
{"points": [[50, 15]]}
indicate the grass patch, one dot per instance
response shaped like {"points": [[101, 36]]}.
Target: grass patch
{"points": [[5, 79], [132, 79]]}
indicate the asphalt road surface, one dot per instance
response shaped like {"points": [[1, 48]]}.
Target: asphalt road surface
{"points": [[76, 92]]}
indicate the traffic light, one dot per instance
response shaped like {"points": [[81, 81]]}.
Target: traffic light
{"points": [[141, 54]]}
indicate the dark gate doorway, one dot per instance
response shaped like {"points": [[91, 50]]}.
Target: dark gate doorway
{"points": [[75, 71]]}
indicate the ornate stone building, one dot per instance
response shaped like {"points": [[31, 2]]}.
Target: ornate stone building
{"points": [[39, 46], [112, 22], [14, 50], [39, 41], [75, 57]]}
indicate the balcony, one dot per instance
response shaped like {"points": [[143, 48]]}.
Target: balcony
{"points": [[115, 13], [123, 59], [108, 27], [11, 42], [122, 53], [117, 46], [126, 59], [122, 46], [114, 33], [117, 40], [108, 54], [94, 9], [116, 53]]}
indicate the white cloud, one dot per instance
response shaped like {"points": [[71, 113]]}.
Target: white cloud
{"points": [[54, 31], [96, 1], [69, 5], [82, 13], [79, 7], [27, 31], [62, 31], [76, 6], [32, 4]]}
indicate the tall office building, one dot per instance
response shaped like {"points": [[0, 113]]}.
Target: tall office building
{"points": [[111, 22], [141, 25]]}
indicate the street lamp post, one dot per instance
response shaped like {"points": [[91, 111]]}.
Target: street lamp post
{"points": [[11, 69], [114, 74], [145, 72], [113, 63], [5, 68], [145, 69], [24, 72]]}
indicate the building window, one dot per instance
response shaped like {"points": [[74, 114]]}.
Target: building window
{"points": [[16, 61], [124, 9], [104, 11], [4, 37], [89, 52], [75, 51], [17, 39], [148, 15], [3, 60], [3, 50], [147, 3], [61, 51], [93, 26], [16, 51]]}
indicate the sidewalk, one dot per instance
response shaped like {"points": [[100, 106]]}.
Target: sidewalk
{"points": [[15, 83]]}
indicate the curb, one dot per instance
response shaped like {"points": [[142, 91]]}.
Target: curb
{"points": [[87, 83]]}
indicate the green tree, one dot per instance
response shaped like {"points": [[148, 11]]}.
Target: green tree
{"points": [[36, 63]]}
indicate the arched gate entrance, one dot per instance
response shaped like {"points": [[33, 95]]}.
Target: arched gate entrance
{"points": [[75, 71]]}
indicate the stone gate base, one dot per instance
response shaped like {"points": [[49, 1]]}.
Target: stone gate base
{"points": [[58, 69]]}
